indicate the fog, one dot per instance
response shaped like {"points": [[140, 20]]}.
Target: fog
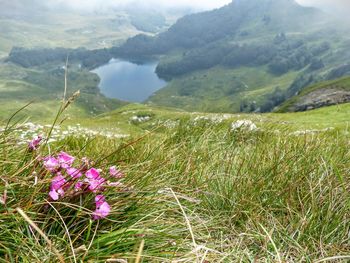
{"points": [[338, 7], [100, 5], [332, 5], [337, 4]]}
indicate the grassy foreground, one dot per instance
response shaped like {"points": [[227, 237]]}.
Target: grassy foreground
{"points": [[196, 192]]}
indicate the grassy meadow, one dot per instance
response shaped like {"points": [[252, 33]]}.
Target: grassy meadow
{"points": [[195, 190], [42, 87], [221, 89]]}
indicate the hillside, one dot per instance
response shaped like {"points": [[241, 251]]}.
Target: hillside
{"points": [[36, 24], [190, 187], [43, 87], [245, 57], [319, 95]]}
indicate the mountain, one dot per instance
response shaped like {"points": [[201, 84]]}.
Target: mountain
{"points": [[238, 20], [246, 56], [250, 55]]}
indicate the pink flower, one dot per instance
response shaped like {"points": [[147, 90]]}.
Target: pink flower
{"points": [[95, 180], [56, 188], [113, 171], [65, 160], [74, 173], [99, 200], [96, 185], [54, 195], [102, 208], [51, 164], [92, 174], [34, 144], [79, 186]]}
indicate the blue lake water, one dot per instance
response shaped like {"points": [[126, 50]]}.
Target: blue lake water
{"points": [[129, 81]]}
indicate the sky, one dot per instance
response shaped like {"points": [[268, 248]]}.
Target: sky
{"points": [[341, 6], [88, 5], [98, 4]]}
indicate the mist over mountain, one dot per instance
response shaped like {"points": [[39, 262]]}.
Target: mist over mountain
{"points": [[332, 6], [21, 9], [27, 6], [338, 7], [96, 5], [238, 19]]}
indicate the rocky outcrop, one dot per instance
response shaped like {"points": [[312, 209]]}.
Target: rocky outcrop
{"points": [[321, 98]]}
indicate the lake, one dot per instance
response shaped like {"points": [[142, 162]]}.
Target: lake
{"points": [[129, 81]]}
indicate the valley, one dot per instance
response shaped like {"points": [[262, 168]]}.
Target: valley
{"points": [[255, 66]]}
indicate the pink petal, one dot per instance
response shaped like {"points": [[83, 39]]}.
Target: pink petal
{"points": [[79, 186], [58, 182], [65, 160], [34, 144], [54, 195], [113, 171], [101, 211], [51, 164], [74, 173], [99, 200], [96, 185], [93, 174]]}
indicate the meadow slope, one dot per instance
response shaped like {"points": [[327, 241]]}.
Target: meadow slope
{"points": [[197, 188]]}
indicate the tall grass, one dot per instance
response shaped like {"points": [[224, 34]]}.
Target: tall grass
{"points": [[196, 193]]}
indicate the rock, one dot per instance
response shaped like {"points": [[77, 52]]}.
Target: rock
{"points": [[321, 98]]}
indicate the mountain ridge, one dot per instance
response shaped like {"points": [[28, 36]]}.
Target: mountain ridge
{"points": [[205, 27]]}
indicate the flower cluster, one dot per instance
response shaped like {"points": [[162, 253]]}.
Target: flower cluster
{"points": [[34, 144], [213, 118], [69, 181], [140, 118], [28, 132], [246, 125]]}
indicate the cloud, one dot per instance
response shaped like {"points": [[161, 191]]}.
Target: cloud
{"points": [[337, 6], [336, 3], [334, 6], [105, 4]]}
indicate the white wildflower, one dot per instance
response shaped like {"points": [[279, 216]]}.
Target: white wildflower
{"points": [[247, 125]]}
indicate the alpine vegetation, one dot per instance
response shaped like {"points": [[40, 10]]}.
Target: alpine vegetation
{"points": [[232, 144], [215, 192]]}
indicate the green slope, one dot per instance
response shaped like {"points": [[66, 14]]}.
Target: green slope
{"points": [[222, 89], [43, 88], [193, 190], [161, 119], [319, 95]]}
